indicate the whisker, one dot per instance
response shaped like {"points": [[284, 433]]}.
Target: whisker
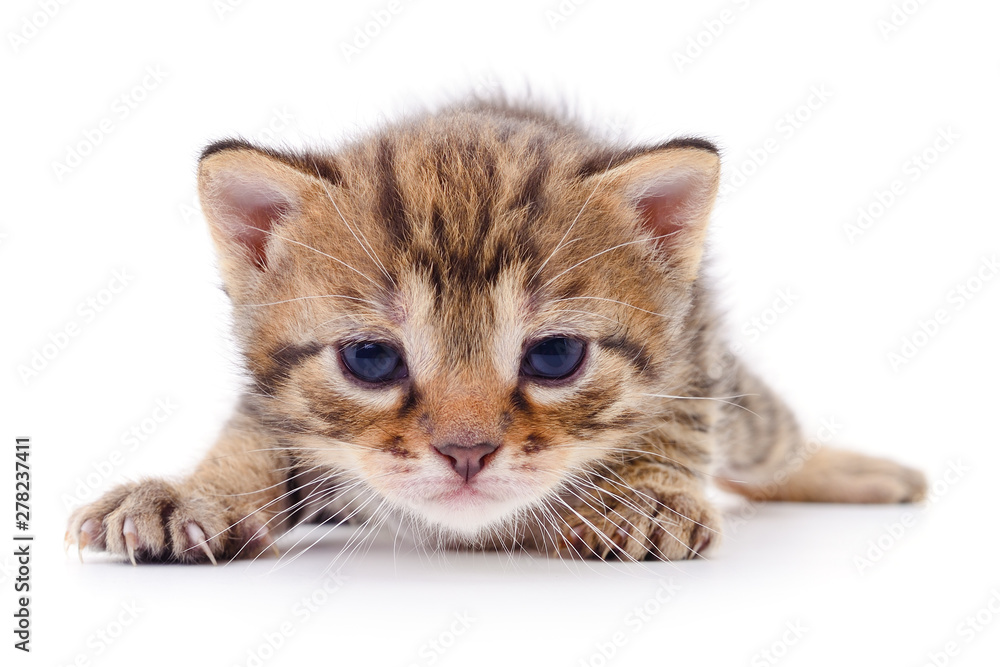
{"points": [[598, 254], [364, 245], [579, 213], [657, 501], [250, 493], [304, 298], [599, 298], [315, 494], [347, 518], [591, 313], [365, 530], [628, 534], [720, 399], [638, 510], [599, 533], [272, 233]]}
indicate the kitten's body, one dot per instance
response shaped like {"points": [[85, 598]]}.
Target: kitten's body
{"points": [[463, 241]]}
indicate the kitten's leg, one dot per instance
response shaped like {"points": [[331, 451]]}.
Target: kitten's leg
{"points": [[217, 512], [765, 457]]}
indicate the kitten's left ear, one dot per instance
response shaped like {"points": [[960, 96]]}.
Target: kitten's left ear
{"points": [[672, 187]]}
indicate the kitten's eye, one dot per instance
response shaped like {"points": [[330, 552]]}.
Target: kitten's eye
{"points": [[373, 362], [553, 358]]}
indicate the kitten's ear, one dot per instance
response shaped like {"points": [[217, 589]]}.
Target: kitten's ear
{"points": [[673, 188], [246, 194]]}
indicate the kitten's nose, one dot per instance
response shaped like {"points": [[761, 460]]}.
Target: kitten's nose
{"points": [[467, 460]]}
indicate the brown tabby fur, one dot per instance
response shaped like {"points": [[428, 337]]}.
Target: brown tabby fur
{"points": [[462, 237]]}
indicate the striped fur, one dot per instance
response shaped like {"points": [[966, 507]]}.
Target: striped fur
{"points": [[461, 237]]}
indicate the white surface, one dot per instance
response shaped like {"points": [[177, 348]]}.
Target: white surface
{"points": [[128, 206]]}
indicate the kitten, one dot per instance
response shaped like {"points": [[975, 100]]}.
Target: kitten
{"points": [[491, 326]]}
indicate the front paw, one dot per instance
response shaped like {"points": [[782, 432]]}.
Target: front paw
{"points": [[639, 523], [156, 521]]}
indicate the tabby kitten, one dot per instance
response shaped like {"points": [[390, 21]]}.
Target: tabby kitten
{"points": [[489, 326]]}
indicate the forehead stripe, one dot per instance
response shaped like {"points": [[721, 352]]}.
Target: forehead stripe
{"points": [[390, 201]]}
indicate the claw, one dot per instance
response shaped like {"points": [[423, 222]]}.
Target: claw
{"points": [[84, 538], [264, 536], [79, 547], [617, 548], [703, 543], [574, 540], [197, 537], [131, 536]]}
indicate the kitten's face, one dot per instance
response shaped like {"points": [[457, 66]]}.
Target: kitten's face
{"points": [[462, 314]]}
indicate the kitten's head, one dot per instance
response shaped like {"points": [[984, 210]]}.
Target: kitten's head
{"points": [[464, 312]]}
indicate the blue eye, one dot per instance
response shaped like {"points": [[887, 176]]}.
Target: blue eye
{"points": [[373, 362], [553, 358]]}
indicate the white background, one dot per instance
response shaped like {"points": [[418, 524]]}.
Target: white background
{"points": [[277, 72]]}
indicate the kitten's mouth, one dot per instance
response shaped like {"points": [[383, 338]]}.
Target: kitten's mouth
{"points": [[464, 493], [466, 508]]}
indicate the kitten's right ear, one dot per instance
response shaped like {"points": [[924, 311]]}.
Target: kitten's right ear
{"points": [[246, 194]]}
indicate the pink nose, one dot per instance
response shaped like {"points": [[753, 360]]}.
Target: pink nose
{"points": [[467, 461]]}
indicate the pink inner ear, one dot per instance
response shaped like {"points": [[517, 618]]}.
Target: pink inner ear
{"points": [[667, 207], [250, 210]]}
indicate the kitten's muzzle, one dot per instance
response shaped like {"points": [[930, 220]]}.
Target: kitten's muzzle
{"points": [[467, 461]]}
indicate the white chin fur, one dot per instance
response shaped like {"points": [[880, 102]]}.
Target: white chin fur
{"points": [[466, 520]]}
